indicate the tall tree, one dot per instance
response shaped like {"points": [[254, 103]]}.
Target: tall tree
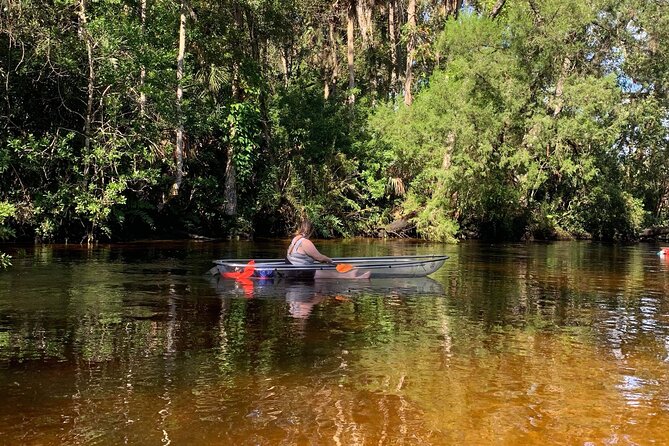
{"points": [[392, 38], [332, 50], [142, 69], [411, 30], [90, 89], [451, 8], [179, 146], [230, 191], [497, 8], [350, 48]]}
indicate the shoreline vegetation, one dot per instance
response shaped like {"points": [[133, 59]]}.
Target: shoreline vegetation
{"points": [[499, 120], [656, 234]]}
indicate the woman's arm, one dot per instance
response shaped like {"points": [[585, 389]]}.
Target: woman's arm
{"points": [[311, 251]]}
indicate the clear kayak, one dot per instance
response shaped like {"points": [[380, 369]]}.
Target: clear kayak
{"points": [[360, 267]]}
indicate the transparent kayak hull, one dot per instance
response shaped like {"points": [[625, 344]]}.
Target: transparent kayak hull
{"points": [[363, 267]]}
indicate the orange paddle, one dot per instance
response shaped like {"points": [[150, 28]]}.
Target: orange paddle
{"points": [[248, 270], [344, 267], [241, 275]]}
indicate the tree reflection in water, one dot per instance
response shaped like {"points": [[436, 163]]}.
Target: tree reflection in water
{"points": [[521, 344]]}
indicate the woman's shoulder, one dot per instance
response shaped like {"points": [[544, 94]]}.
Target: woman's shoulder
{"points": [[306, 241]]}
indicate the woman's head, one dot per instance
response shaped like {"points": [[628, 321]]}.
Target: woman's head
{"points": [[305, 228]]}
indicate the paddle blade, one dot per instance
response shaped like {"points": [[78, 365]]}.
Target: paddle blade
{"points": [[248, 270], [344, 267], [241, 275]]}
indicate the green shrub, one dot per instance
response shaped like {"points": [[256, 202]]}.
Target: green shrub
{"points": [[7, 210]]}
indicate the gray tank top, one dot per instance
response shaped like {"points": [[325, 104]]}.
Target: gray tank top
{"points": [[297, 258]]}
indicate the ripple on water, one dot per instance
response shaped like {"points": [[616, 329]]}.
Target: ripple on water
{"points": [[637, 391], [536, 344]]}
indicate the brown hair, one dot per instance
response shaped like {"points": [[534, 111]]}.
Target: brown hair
{"points": [[305, 228]]}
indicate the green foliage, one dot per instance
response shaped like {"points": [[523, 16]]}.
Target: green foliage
{"points": [[549, 120], [242, 132], [65, 185], [328, 164], [520, 132], [5, 260], [448, 143], [544, 224], [609, 213], [7, 210], [434, 223]]}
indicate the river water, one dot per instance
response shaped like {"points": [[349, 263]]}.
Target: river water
{"points": [[507, 344]]}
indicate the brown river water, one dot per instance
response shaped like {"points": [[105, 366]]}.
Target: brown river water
{"points": [[509, 344]]}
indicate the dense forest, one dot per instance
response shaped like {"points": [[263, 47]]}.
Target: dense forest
{"points": [[125, 119]]}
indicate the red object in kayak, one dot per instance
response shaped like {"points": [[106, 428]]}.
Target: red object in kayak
{"points": [[242, 275], [248, 270]]}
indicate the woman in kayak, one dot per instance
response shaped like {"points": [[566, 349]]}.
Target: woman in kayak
{"points": [[301, 250]]}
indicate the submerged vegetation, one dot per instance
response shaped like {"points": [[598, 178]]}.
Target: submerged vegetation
{"points": [[497, 119]]}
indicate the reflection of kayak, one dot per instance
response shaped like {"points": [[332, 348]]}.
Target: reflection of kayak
{"points": [[302, 295], [292, 289], [363, 267]]}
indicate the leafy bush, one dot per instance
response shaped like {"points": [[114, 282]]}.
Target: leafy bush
{"points": [[330, 170], [5, 260], [610, 213], [7, 210], [546, 223]]}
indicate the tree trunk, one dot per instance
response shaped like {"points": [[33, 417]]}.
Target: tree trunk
{"points": [[230, 191], [179, 148], [265, 145], [559, 87], [142, 69], [350, 45], [88, 118], [450, 8], [230, 185], [333, 60], [326, 70], [392, 37], [411, 48], [285, 65], [364, 9], [448, 151], [497, 8]]}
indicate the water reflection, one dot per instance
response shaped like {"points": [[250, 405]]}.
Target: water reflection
{"points": [[302, 296], [301, 300], [303, 290], [561, 343]]}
